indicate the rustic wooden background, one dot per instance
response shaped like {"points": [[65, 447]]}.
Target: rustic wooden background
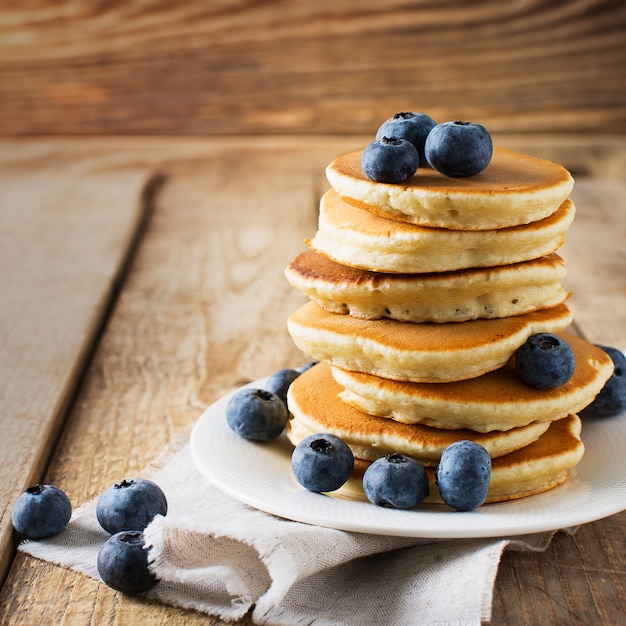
{"points": [[97, 97], [206, 67]]}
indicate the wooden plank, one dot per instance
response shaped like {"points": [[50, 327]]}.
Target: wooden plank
{"points": [[203, 309], [309, 67], [578, 580], [64, 242], [211, 264], [590, 253]]}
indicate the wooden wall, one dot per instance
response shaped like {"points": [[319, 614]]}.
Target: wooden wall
{"points": [[205, 67]]}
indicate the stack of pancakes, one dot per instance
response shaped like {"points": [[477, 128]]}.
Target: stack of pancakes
{"points": [[420, 294]]}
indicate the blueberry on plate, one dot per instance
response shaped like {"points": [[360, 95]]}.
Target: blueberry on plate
{"points": [[545, 361], [123, 563], [409, 125], [256, 414], [130, 505], [396, 481], [458, 148], [463, 475], [279, 382], [611, 400], [390, 160], [41, 511], [322, 462]]}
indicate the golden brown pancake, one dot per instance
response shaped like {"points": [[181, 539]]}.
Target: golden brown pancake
{"points": [[514, 189], [315, 406], [357, 238], [478, 293], [498, 400], [538, 467], [427, 352]]}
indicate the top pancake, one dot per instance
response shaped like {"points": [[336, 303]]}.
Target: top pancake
{"points": [[513, 189]]}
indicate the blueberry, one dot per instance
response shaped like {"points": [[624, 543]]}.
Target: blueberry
{"points": [[617, 356], [390, 160], [279, 382], [256, 414], [412, 126], [322, 462], [545, 361], [611, 400], [395, 481], [123, 563], [130, 505], [459, 148], [463, 475], [41, 511]]}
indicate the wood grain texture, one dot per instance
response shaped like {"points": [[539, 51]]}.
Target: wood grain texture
{"points": [[589, 253], [64, 244], [203, 309], [314, 66], [578, 581]]}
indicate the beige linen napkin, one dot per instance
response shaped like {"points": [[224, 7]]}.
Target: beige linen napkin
{"points": [[218, 556]]}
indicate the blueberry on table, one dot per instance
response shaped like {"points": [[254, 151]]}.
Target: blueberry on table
{"points": [[611, 400], [123, 563], [256, 414], [322, 462], [130, 505], [459, 149], [390, 160], [279, 382], [396, 481], [41, 511], [463, 475], [409, 125], [545, 361]]}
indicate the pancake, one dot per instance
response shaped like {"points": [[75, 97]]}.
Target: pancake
{"points": [[513, 189], [498, 400], [427, 352], [538, 467], [458, 296], [357, 238], [315, 407]]}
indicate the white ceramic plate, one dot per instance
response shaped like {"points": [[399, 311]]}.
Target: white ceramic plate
{"points": [[259, 474]]}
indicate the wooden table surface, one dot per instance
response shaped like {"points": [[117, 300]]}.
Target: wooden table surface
{"points": [[311, 66], [142, 278]]}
